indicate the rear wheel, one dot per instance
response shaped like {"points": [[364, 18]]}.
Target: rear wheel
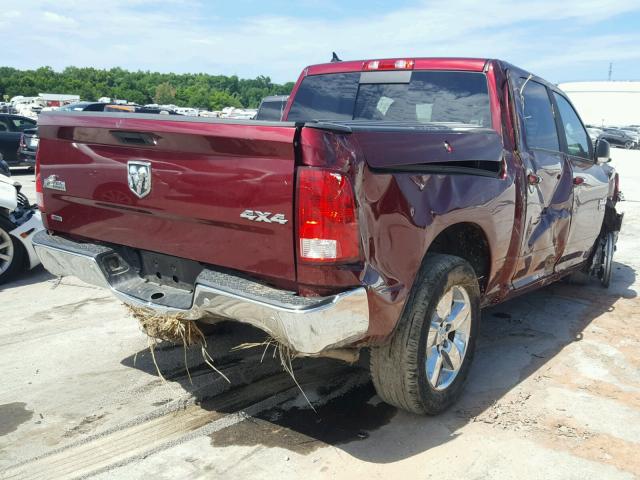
{"points": [[11, 253], [424, 366], [608, 248]]}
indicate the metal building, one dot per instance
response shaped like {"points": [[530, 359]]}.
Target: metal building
{"points": [[614, 103]]}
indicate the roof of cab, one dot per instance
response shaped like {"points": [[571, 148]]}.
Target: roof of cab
{"points": [[425, 63]]}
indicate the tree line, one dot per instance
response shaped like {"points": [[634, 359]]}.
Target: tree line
{"points": [[197, 90]]}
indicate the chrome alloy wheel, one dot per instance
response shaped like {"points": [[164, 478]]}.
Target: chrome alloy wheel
{"points": [[448, 337], [6, 251]]}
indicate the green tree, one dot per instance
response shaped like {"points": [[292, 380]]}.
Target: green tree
{"points": [[165, 94], [200, 90], [218, 100]]}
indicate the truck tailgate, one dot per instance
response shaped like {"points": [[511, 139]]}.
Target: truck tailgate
{"points": [[174, 185]]}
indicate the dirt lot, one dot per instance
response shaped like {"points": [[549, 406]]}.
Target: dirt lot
{"points": [[554, 392]]}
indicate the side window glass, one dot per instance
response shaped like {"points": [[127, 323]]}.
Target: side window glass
{"points": [[539, 123], [577, 137], [21, 123]]}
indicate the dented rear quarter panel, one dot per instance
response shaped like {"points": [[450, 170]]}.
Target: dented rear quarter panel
{"points": [[403, 212]]}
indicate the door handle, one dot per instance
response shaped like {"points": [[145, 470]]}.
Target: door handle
{"points": [[135, 138], [534, 179], [578, 180]]}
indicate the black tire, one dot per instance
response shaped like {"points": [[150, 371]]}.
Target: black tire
{"points": [[609, 249], [398, 368], [628, 145], [16, 264]]}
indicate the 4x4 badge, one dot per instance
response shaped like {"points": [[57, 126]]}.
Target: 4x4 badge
{"points": [[258, 216]]}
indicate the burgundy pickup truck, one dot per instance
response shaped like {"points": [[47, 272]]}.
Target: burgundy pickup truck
{"points": [[395, 200]]}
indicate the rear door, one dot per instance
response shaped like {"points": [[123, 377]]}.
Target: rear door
{"points": [[548, 184], [590, 184], [218, 192]]}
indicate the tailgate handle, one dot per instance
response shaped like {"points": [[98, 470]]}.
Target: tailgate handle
{"points": [[135, 138]]}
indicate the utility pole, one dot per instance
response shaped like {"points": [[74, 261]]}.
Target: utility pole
{"points": [[610, 69]]}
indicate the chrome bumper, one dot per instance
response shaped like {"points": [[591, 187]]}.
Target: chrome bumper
{"points": [[309, 326]]}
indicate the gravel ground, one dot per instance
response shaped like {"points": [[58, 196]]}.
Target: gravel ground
{"points": [[554, 392]]}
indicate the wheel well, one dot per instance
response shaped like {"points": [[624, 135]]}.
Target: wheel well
{"points": [[468, 241]]}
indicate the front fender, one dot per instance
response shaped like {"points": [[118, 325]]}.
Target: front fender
{"points": [[24, 234], [8, 195]]}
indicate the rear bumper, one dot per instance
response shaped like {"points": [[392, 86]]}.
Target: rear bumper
{"points": [[27, 158], [307, 325], [21, 162]]}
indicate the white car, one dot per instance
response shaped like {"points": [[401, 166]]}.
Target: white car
{"points": [[19, 222]]}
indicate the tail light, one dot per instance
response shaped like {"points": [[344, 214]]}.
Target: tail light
{"points": [[327, 222], [39, 193], [400, 64], [22, 143]]}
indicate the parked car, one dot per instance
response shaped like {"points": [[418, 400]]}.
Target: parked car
{"points": [[618, 138], [7, 108], [11, 128], [158, 111], [396, 199], [4, 167], [19, 222], [112, 107], [84, 107], [634, 134], [272, 108], [28, 146]]}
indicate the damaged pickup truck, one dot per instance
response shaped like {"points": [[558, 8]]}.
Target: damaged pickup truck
{"points": [[396, 199]]}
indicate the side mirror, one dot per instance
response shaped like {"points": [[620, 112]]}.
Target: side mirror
{"points": [[603, 151]]}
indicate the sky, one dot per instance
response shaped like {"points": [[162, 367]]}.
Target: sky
{"points": [[560, 40]]}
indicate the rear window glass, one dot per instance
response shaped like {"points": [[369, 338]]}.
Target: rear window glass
{"points": [[325, 97], [271, 110], [429, 97], [22, 123]]}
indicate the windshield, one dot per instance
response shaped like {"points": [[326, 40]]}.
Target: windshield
{"points": [[411, 97]]}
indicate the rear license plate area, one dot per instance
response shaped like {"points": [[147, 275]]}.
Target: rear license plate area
{"points": [[168, 270]]}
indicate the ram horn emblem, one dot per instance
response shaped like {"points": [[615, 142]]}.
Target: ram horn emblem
{"points": [[139, 176]]}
